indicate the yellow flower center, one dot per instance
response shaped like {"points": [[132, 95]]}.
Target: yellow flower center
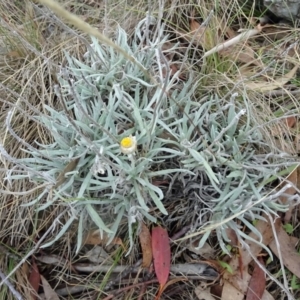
{"points": [[127, 142]]}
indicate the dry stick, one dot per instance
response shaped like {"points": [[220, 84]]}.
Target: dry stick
{"points": [[285, 92], [34, 249], [10, 286], [241, 37], [200, 269]]}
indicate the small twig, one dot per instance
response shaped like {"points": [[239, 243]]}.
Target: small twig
{"points": [[241, 37], [28, 192], [20, 108], [5, 280], [273, 121]]}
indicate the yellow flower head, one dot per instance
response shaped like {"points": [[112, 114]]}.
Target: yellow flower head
{"points": [[128, 145]]}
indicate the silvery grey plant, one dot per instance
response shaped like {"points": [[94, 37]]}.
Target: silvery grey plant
{"points": [[105, 99]]}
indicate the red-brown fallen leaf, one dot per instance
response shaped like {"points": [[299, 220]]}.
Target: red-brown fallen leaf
{"points": [[145, 240], [257, 283], [161, 254], [34, 280]]}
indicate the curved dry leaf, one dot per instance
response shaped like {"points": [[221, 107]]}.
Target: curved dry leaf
{"points": [[242, 53], [49, 293], [145, 240], [290, 257], [273, 83], [290, 121]]}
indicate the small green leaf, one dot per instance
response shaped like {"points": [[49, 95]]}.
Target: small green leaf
{"points": [[226, 266], [288, 228], [295, 284]]}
